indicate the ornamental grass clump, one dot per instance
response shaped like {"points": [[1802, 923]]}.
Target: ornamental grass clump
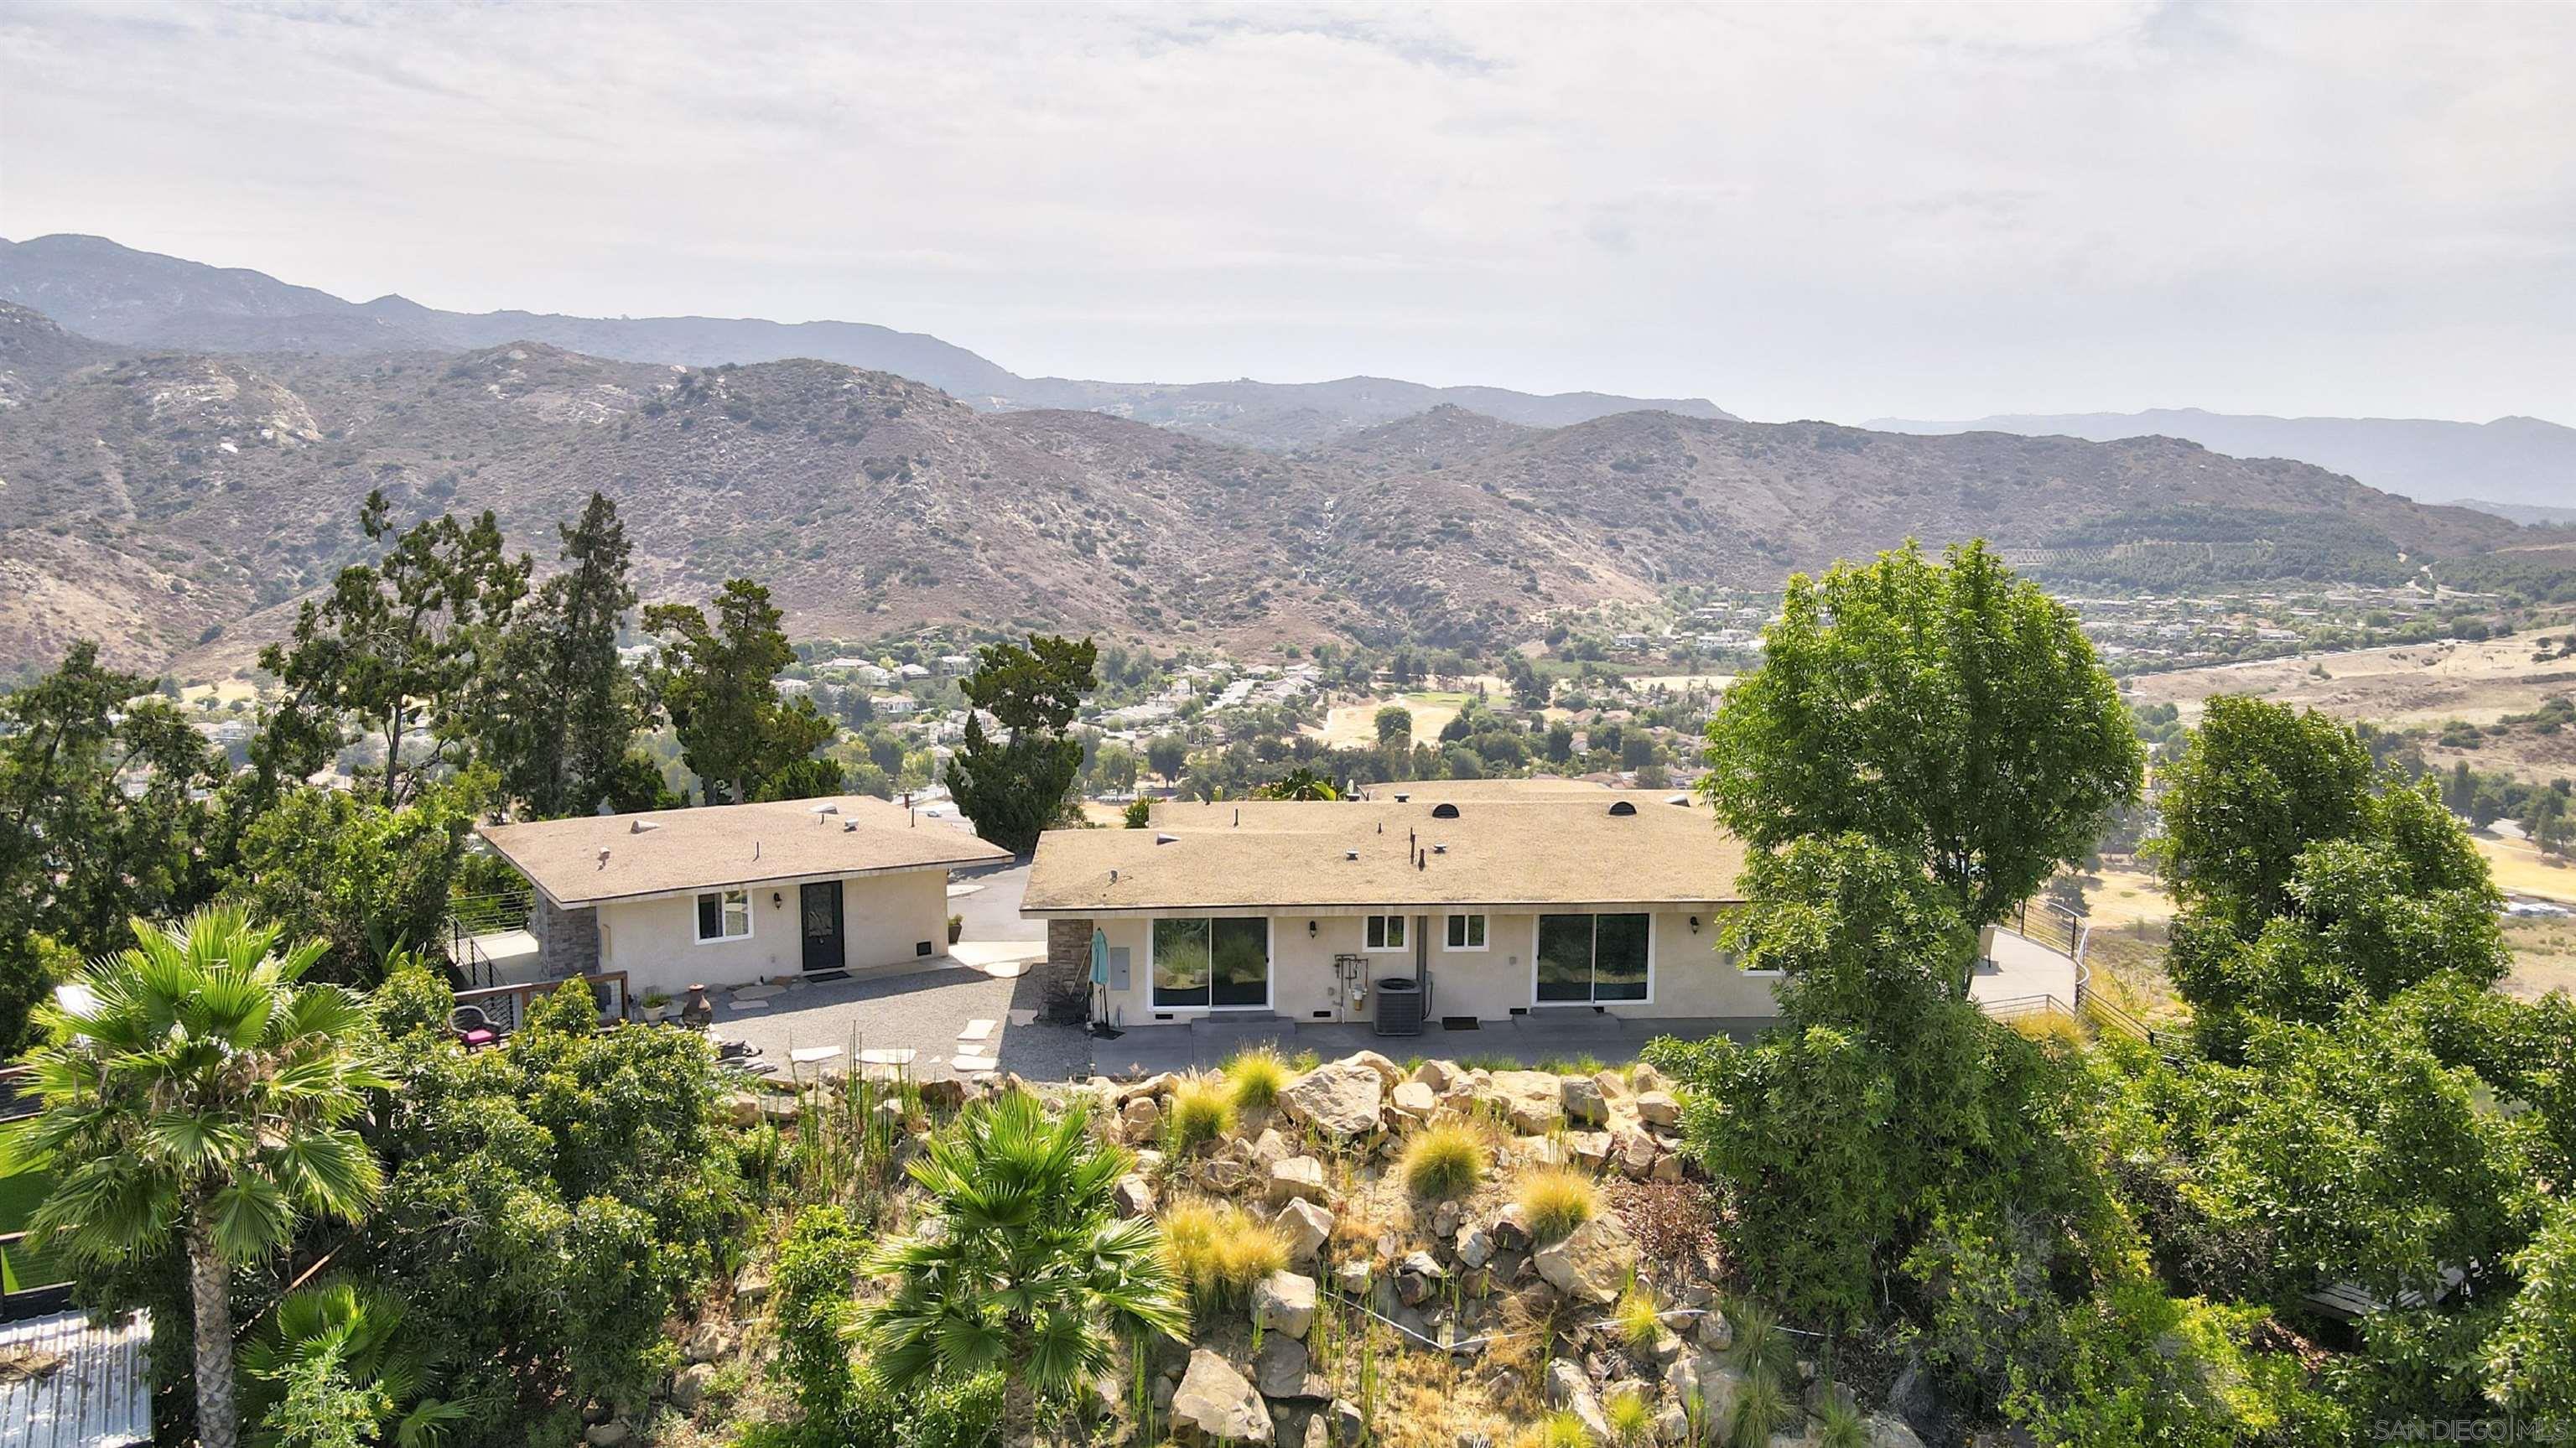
{"points": [[1219, 1251], [1556, 1200], [1639, 1319], [1630, 1415], [1202, 1112], [1255, 1078], [1559, 1429], [1443, 1161]]}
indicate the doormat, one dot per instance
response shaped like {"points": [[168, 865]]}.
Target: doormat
{"points": [[829, 975]]}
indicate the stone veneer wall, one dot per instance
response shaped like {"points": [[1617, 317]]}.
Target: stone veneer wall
{"points": [[567, 940], [1068, 972]]}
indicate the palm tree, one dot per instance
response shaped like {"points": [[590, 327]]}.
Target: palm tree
{"points": [[193, 1087], [357, 1332], [1020, 1263]]}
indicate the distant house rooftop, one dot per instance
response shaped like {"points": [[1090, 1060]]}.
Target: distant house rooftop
{"points": [[1531, 842], [593, 858], [88, 1388]]}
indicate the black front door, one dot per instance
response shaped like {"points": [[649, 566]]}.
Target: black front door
{"points": [[819, 907]]}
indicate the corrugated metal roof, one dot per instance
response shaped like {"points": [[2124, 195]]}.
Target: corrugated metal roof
{"points": [[67, 1384]]}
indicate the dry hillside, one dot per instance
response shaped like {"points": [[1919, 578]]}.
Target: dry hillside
{"points": [[175, 504]]}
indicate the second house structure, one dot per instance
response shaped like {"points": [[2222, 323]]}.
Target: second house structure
{"points": [[1465, 901], [738, 893]]}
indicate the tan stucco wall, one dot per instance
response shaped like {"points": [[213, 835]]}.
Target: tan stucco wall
{"points": [[1688, 977], [882, 918]]}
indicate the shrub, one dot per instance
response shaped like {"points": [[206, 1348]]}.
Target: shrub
{"points": [[823, 1253], [1255, 1078], [1443, 1161], [956, 1412], [1219, 1251], [1202, 1111], [1555, 1201], [1760, 1344]]}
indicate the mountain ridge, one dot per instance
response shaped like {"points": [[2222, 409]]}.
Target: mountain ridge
{"points": [[98, 287], [2518, 460], [178, 505]]}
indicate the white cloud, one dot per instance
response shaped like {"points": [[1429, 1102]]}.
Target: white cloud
{"points": [[1796, 211]]}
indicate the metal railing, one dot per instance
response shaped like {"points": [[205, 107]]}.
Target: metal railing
{"points": [[506, 1006], [469, 916], [2089, 1012]]}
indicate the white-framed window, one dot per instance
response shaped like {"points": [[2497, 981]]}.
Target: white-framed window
{"points": [[1596, 959], [1385, 932], [1466, 932], [724, 915]]}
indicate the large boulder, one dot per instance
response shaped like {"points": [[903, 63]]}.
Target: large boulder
{"points": [[1569, 1389], [1218, 1402], [1533, 1101], [1703, 1376], [1414, 1101], [1282, 1369], [1388, 1073], [1593, 1264], [1584, 1100], [1439, 1076], [1886, 1431], [1338, 1098], [1659, 1108], [1298, 1179], [1308, 1228], [1284, 1302], [1134, 1196]]}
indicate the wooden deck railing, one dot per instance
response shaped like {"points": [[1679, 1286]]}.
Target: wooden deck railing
{"points": [[507, 1005]]}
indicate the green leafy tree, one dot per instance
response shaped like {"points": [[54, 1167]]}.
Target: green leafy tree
{"points": [[200, 1089], [1946, 709], [1014, 787], [566, 707], [1020, 1264], [406, 641], [81, 853], [717, 682], [804, 779], [362, 880], [2307, 883], [1165, 754], [2531, 1360], [1299, 783], [550, 1201], [823, 1254], [1394, 727]]}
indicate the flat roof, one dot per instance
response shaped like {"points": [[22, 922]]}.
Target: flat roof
{"points": [[592, 858], [1582, 845]]}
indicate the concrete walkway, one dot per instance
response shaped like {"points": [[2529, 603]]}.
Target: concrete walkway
{"points": [[1145, 1050], [2023, 968], [955, 1019]]}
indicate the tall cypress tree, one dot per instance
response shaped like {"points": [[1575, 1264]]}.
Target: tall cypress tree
{"points": [[570, 709], [716, 681]]}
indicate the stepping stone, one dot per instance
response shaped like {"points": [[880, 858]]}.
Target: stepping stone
{"points": [[749, 1005], [888, 1055], [975, 1063], [976, 1031], [1024, 1018], [808, 1055], [755, 992]]}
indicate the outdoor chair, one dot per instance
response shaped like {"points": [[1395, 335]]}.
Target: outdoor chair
{"points": [[473, 1028]]}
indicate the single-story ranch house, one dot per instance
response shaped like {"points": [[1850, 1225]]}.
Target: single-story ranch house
{"points": [[736, 893], [1493, 899]]}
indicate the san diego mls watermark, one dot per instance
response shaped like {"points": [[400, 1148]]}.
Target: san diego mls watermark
{"points": [[2473, 1430]]}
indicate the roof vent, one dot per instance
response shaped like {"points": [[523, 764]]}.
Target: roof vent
{"points": [[603, 857], [1401, 796], [1167, 839], [640, 826], [1444, 811], [1623, 807], [1680, 799], [1350, 854], [848, 826], [1439, 849]]}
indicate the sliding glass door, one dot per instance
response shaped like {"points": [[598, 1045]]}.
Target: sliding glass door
{"points": [[1593, 959], [1221, 963]]}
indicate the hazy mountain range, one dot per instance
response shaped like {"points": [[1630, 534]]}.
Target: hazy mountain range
{"points": [[97, 288], [176, 504], [2520, 463]]}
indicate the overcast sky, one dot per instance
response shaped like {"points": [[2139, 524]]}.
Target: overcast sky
{"points": [[1795, 211]]}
